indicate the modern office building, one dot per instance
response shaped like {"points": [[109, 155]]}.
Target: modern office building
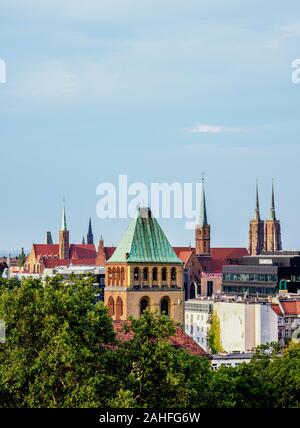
{"points": [[265, 274]]}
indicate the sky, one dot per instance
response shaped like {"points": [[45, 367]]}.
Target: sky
{"points": [[161, 91]]}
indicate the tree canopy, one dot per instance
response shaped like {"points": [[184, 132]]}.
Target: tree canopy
{"points": [[61, 351]]}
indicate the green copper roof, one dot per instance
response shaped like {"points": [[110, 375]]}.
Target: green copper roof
{"points": [[273, 214], [144, 242], [63, 219], [203, 214]]}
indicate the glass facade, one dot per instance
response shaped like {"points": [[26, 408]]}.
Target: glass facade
{"points": [[245, 277], [248, 289]]}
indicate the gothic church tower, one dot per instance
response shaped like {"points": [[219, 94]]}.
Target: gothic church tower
{"points": [[273, 229], [202, 232], [64, 239], [256, 231]]}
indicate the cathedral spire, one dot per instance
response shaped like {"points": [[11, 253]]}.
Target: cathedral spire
{"points": [[273, 213], [202, 231], [257, 210], [90, 236], [203, 212], [63, 219], [64, 238]]}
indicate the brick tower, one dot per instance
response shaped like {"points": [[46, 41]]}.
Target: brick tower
{"points": [[256, 231], [202, 232], [63, 240], [144, 273], [273, 229]]}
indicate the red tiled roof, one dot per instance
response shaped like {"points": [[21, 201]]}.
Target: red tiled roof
{"points": [[109, 252], [291, 308], [277, 310], [184, 253], [52, 263], [181, 340], [82, 251], [46, 249], [220, 256]]}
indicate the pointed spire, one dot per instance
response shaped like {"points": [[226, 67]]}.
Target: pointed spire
{"points": [[203, 213], [90, 232], [257, 211], [90, 236], [63, 219], [83, 241], [273, 214]]}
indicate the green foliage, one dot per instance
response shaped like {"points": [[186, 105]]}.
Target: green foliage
{"points": [[61, 351], [214, 335], [56, 352]]}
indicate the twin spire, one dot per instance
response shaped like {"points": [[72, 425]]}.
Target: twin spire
{"points": [[257, 209]]}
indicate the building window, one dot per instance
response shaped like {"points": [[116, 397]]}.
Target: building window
{"points": [[144, 304], [164, 306], [210, 286], [111, 306], [119, 308], [136, 273], [164, 274], [173, 274], [154, 274], [145, 274]]}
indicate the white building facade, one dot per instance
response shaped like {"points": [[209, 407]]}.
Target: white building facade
{"points": [[244, 325]]}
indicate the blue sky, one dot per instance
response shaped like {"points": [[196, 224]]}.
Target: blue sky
{"points": [[158, 90]]}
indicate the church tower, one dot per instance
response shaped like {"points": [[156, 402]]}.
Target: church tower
{"points": [[256, 231], [144, 273], [63, 240], [202, 232], [90, 236], [273, 229]]}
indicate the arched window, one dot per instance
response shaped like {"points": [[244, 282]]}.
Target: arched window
{"points": [[173, 274], [145, 274], [111, 306], [144, 303], [165, 306], [122, 275], [114, 276], [118, 276], [109, 276], [192, 291], [154, 274], [164, 274], [136, 274], [119, 308]]}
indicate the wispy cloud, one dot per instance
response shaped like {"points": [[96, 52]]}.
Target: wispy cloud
{"points": [[290, 31], [220, 129]]}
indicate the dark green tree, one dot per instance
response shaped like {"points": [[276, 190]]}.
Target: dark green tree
{"points": [[56, 352]]}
